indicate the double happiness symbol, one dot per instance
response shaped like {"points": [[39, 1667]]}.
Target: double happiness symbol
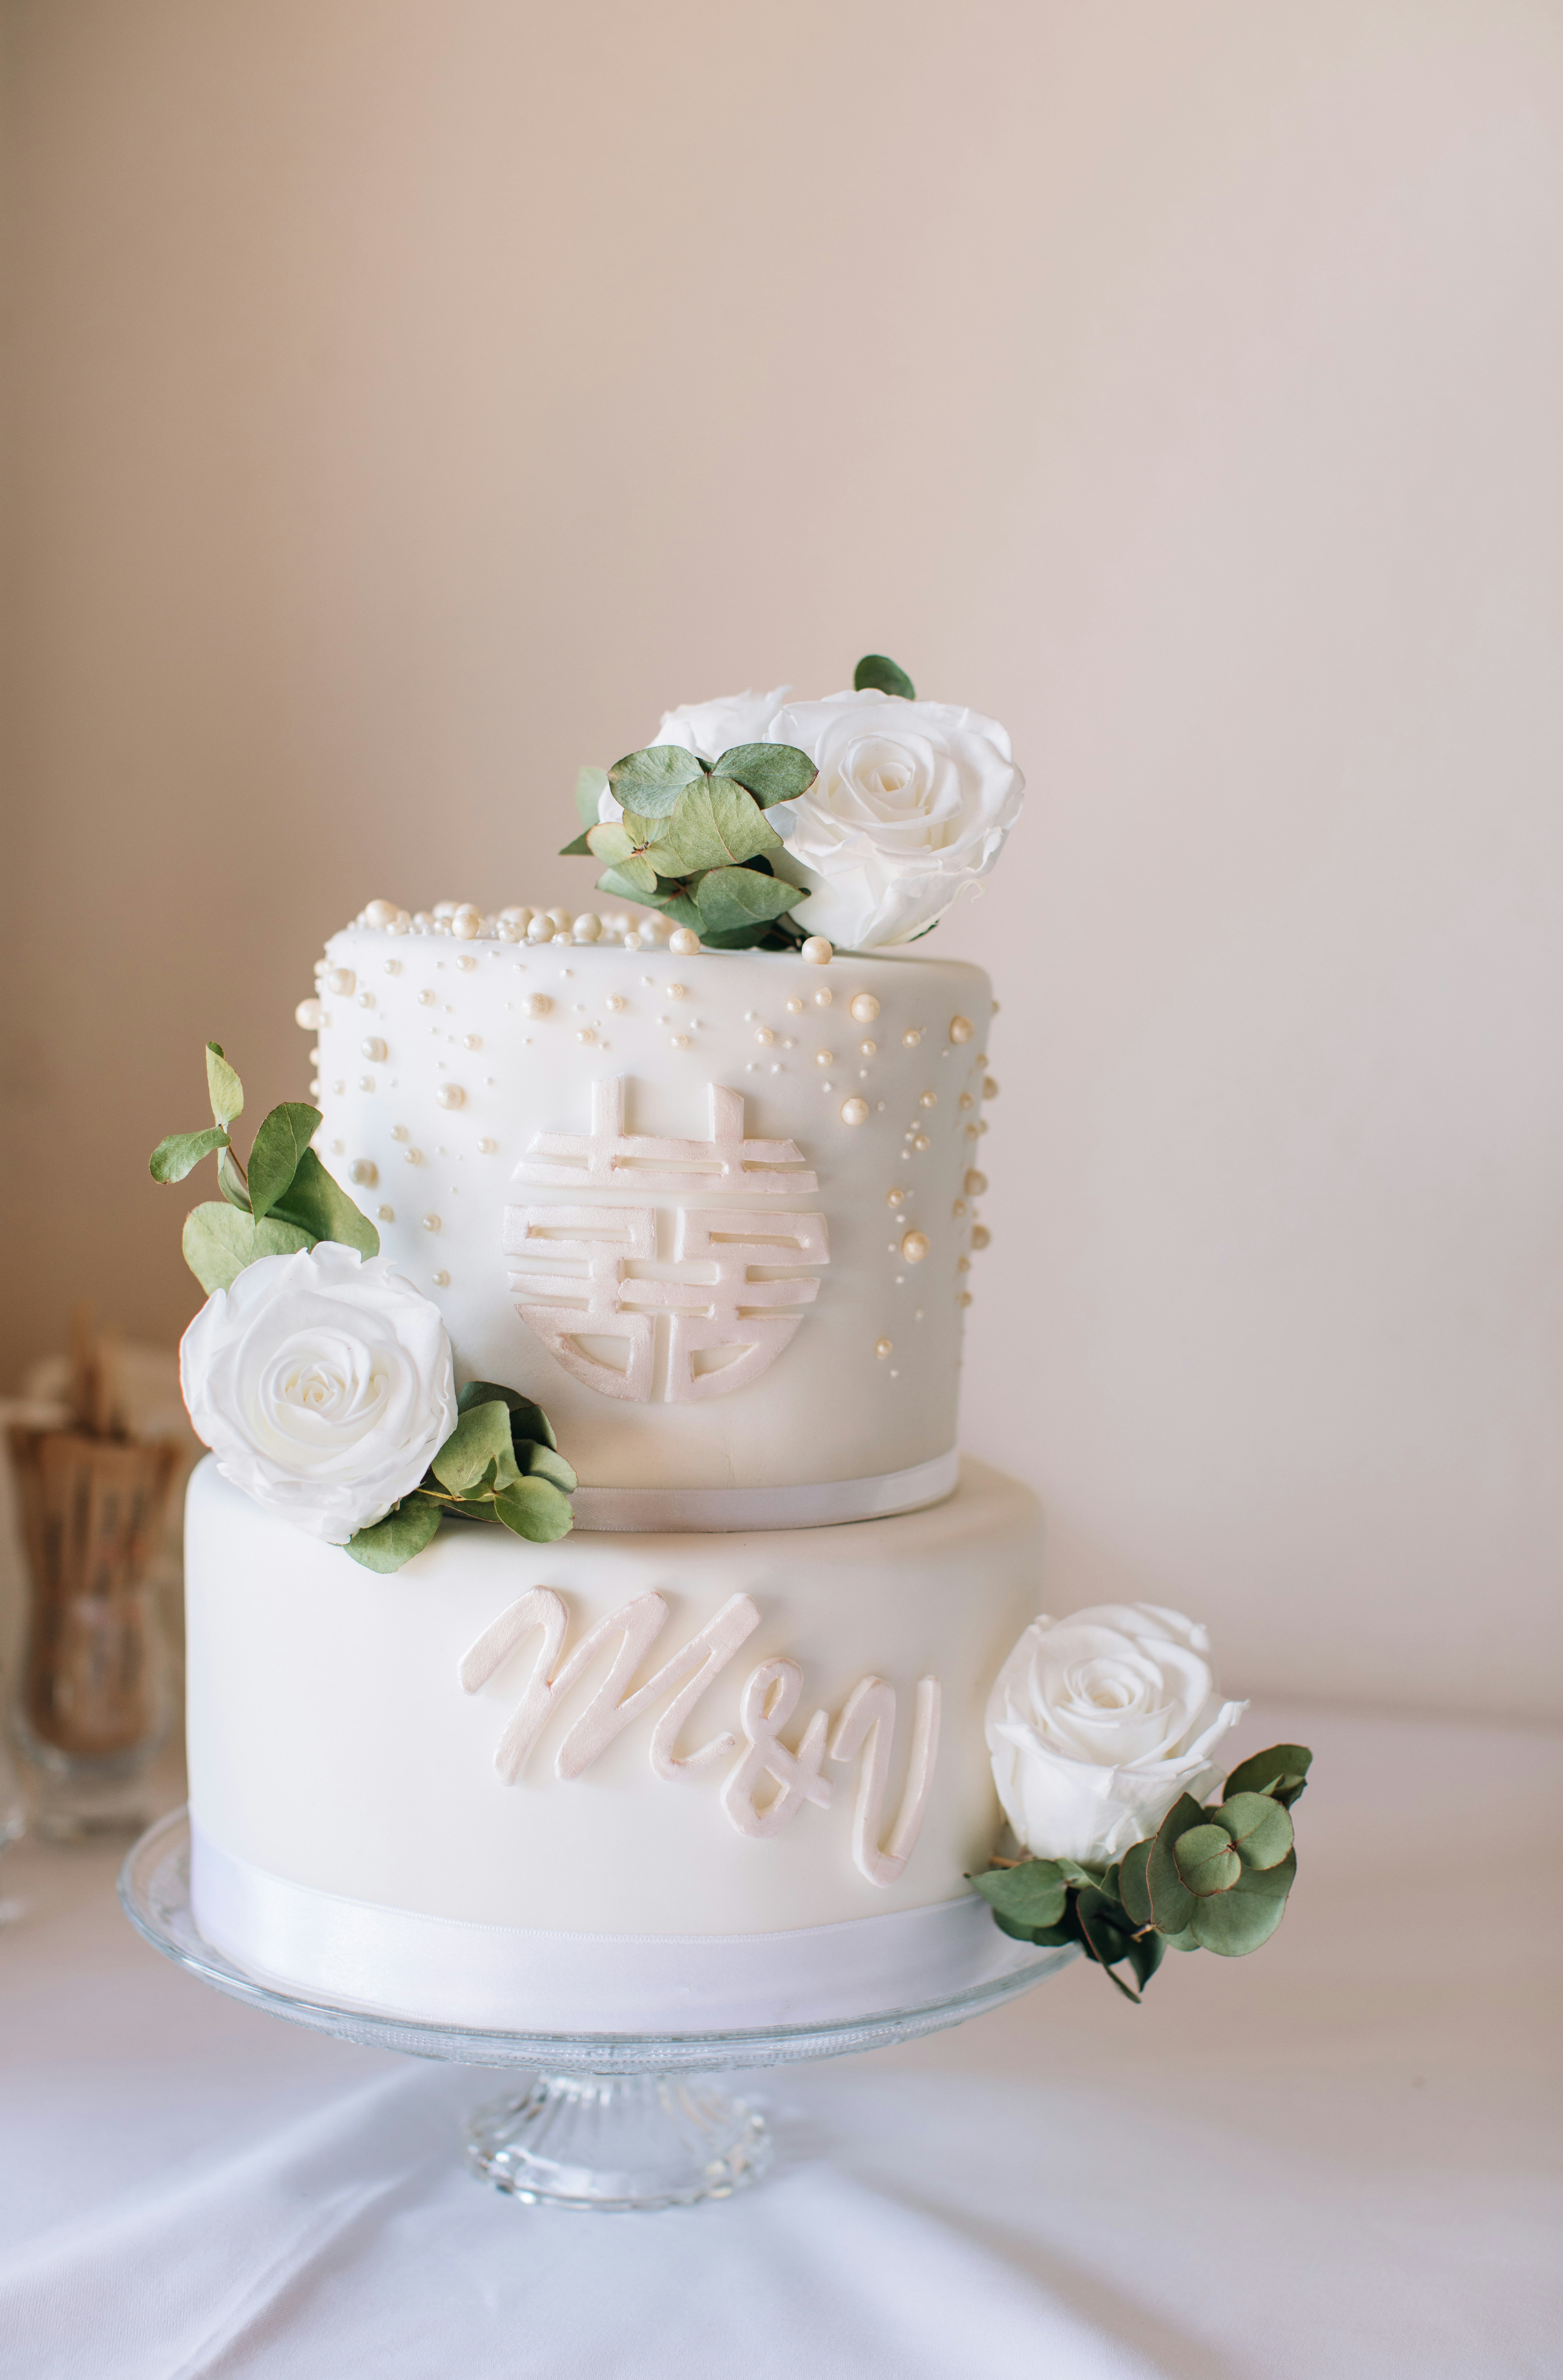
{"points": [[591, 1279]]}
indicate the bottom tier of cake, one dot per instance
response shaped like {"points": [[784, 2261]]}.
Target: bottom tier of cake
{"points": [[622, 1783]]}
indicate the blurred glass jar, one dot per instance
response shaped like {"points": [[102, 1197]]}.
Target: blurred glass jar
{"points": [[13, 1806], [94, 1701]]}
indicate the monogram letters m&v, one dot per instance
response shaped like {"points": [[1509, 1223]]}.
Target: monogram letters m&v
{"points": [[865, 1726]]}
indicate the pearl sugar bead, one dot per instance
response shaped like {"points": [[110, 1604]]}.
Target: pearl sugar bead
{"points": [[684, 941]]}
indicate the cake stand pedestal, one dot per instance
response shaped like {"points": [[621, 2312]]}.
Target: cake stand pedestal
{"points": [[607, 2122]]}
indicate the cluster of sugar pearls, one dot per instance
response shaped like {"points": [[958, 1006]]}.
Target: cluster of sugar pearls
{"points": [[463, 921]]}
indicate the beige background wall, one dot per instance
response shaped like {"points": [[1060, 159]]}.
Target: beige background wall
{"points": [[410, 398]]}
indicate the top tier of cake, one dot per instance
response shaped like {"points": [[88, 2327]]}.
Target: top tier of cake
{"points": [[714, 1212]]}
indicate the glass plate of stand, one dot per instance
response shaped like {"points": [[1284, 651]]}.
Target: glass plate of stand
{"points": [[601, 2121]]}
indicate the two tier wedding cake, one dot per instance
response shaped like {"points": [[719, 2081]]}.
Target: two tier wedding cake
{"points": [[591, 1622]]}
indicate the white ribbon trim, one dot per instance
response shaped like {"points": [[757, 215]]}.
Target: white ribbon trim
{"points": [[511, 1978], [819, 1507]]}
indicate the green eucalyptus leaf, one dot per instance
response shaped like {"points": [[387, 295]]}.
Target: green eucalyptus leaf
{"points": [[1281, 1771], [1171, 1902], [1104, 1935], [231, 1182], [224, 1088], [1032, 1894], [1259, 1826], [611, 840], [477, 1450], [716, 824], [652, 780], [1233, 1923], [321, 1206], [731, 898], [631, 879], [677, 904], [577, 848], [763, 937], [1144, 1954], [545, 1462], [526, 1419], [279, 1144], [535, 1508], [1090, 1879], [876, 673], [219, 1242], [406, 1530], [1206, 1861], [772, 772], [1049, 1936], [590, 786], [1133, 1890], [182, 1152]]}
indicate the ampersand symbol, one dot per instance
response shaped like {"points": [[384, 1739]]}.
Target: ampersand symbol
{"points": [[769, 1697]]}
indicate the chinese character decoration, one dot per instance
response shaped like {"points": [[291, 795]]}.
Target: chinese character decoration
{"points": [[591, 1279]]}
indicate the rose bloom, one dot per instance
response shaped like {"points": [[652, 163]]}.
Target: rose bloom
{"points": [[322, 1383], [912, 803], [1097, 1723]]}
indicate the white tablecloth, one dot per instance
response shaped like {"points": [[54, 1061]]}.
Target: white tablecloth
{"points": [[1331, 2160]]}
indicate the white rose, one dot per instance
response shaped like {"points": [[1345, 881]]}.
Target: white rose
{"points": [[322, 1383], [1096, 1724], [913, 800], [710, 729]]}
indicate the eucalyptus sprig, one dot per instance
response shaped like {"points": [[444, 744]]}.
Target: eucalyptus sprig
{"points": [[282, 1201], [1214, 1878], [694, 840], [501, 1463]]}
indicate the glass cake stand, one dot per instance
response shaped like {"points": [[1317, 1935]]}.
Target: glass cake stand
{"points": [[603, 2121]]}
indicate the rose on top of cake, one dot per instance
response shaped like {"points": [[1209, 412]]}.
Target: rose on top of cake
{"points": [[758, 821]]}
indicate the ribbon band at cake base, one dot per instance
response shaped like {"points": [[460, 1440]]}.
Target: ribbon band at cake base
{"points": [[823, 1506], [515, 1979]]}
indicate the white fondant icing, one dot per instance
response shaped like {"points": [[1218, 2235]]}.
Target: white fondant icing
{"points": [[729, 1311], [331, 1743], [823, 1504], [637, 1627], [450, 1971], [828, 1413], [771, 1697], [866, 1724], [609, 1158]]}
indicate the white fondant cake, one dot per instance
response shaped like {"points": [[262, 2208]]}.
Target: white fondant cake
{"points": [[715, 1760], [715, 1212], [752, 1799]]}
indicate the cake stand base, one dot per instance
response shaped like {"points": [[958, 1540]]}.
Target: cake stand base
{"points": [[606, 2122], [614, 2144]]}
